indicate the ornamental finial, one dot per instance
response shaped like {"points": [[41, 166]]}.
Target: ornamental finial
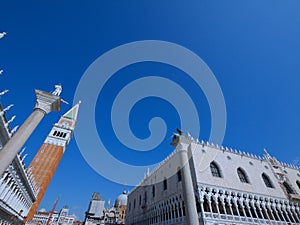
{"points": [[2, 34], [3, 92]]}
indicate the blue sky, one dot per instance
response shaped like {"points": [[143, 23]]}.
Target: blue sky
{"points": [[252, 47]]}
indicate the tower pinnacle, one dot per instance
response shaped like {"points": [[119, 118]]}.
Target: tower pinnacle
{"points": [[70, 117]]}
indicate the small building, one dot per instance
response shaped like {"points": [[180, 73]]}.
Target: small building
{"points": [[57, 218], [97, 214]]}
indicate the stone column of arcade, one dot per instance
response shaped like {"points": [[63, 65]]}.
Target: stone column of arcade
{"points": [[45, 103], [182, 145]]}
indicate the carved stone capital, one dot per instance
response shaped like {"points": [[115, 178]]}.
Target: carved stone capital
{"points": [[47, 102]]}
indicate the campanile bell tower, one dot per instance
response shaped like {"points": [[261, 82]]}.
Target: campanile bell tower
{"points": [[49, 155]]}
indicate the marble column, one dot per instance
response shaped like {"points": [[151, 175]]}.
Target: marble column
{"points": [[45, 103], [182, 145]]}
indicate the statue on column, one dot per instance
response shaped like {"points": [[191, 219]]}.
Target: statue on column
{"points": [[58, 89]]}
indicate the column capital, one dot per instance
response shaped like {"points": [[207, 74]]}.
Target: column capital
{"points": [[47, 102], [182, 147]]}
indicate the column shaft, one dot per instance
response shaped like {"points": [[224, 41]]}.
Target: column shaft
{"points": [[188, 190], [11, 148]]}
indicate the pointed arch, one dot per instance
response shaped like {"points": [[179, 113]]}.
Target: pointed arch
{"points": [[215, 169], [267, 181], [298, 183], [288, 188], [242, 175]]}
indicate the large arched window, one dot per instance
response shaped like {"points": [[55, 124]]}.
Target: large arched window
{"points": [[288, 188], [298, 183], [215, 171], [267, 181], [242, 175]]}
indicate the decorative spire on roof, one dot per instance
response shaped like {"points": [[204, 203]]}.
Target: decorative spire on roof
{"points": [[23, 158], [22, 151], [8, 107], [2, 34], [5, 109], [3, 92], [124, 191], [14, 129], [11, 120], [266, 153]]}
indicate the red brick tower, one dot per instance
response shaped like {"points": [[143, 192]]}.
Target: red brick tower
{"points": [[48, 157]]}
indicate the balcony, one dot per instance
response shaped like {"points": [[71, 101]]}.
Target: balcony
{"points": [[221, 218]]}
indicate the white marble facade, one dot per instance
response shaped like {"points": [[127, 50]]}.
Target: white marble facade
{"points": [[230, 187]]}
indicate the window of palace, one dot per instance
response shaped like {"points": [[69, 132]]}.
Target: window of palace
{"points": [[242, 175], [215, 171], [288, 188], [298, 183], [267, 181]]}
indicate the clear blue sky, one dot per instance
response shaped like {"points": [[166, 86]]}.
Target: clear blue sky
{"points": [[252, 47]]}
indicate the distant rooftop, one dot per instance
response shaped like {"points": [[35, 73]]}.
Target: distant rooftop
{"points": [[96, 196]]}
